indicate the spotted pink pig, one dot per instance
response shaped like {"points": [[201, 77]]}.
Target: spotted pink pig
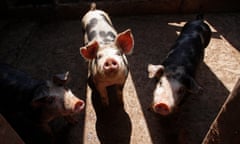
{"points": [[105, 50]]}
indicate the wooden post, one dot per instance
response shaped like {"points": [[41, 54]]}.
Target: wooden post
{"points": [[226, 127], [7, 133]]}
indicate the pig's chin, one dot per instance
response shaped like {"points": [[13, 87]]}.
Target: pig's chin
{"points": [[111, 73]]}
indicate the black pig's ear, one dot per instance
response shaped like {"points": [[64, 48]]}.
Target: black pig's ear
{"points": [[60, 79], [155, 71]]}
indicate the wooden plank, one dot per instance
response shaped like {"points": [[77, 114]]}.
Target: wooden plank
{"points": [[7, 133], [226, 127]]}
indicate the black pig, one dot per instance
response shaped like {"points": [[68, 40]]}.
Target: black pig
{"points": [[176, 73], [38, 100]]}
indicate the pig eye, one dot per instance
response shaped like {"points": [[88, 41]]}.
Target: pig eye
{"points": [[158, 81], [99, 56]]}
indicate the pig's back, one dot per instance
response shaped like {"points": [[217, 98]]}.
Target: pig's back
{"points": [[16, 88], [200, 27], [98, 26], [187, 52]]}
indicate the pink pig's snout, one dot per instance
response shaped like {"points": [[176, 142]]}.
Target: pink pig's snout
{"points": [[162, 108], [110, 65]]}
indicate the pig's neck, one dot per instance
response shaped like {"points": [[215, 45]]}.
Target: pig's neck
{"points": [[40, 116], [37, 114], [28, 91]]}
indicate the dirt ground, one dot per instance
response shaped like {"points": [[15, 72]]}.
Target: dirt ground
{"points": [[45, 47]]}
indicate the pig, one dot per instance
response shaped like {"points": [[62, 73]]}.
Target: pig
{"points": [[41, 101], [105, 50], [176, 74]]}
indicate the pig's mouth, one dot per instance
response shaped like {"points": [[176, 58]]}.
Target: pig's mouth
{"points": [[111, 72], [111, 67]]}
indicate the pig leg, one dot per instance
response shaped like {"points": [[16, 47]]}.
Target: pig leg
{"points": [[119, 89], [100, 88], [103, 93]]}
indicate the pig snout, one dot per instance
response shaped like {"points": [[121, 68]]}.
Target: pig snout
{"points": [[110, 65], [73, 108], [162, 108], [73, 105]]}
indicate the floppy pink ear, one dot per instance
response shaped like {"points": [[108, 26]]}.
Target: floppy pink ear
{"points": [[125, 41], [89, 52], [155, 71]]}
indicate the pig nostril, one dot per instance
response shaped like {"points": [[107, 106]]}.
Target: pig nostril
{"points": [[79, 106], [110, 64], [114, 63], [106, 64], [162, 109]]}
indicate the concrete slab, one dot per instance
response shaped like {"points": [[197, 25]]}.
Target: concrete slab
{"points": [[46, 47]]}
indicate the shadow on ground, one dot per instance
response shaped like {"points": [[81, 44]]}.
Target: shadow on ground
{"points": [[43, 48], [191, 121], [113, 124]]}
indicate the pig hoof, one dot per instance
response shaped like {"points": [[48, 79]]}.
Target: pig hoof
{"points": [[162, 109]]}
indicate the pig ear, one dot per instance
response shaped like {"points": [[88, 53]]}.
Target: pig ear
{"points": [[89, 52], [155, 70], [191, 85], [125, 41], [60, 79]]}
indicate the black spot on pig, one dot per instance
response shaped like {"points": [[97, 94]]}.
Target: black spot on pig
{"points": [[92, 23], [107, 40], [91, 35], [107, 36], [103, 34]]}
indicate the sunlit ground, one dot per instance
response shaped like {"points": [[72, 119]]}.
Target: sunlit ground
{"points": [[220, 57]]}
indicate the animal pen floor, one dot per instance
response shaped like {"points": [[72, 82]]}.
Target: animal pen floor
{"points": [[46, 47]]}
